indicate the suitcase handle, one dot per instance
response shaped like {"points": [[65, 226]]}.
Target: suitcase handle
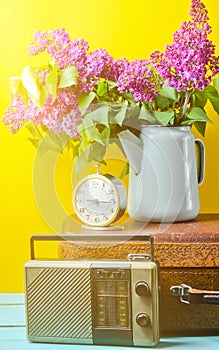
{"points": [[190, 295], [92, 237]]}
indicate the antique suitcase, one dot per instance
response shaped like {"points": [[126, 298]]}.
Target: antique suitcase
{"points": [[188, 254]]}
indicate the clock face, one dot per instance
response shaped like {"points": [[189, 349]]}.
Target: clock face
{"points": [[96, 200]]}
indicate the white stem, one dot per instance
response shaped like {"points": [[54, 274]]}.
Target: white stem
{"points": [[185, 105]]}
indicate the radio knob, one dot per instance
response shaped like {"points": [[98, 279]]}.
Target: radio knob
{"points": [[143, 319], [142, 289]]}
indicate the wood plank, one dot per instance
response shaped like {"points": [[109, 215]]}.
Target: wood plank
{"points": [[25, 345], [14, 336], [12, 333], [11, 298], [176, 343], [12, 315]]}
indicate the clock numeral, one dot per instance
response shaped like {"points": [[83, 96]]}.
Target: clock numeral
{"points": [[97, 219], [110, 192], [113, 201], [81, 210], [81, 191], [88, 216]]}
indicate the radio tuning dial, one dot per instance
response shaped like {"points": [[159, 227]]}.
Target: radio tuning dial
{"points": [[143, 319], [142, 289]]}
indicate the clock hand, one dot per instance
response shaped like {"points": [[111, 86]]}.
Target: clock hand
{"points": [[96, 201]]}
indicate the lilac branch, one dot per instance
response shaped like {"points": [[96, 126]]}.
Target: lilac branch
{"points": [[185, 105]]}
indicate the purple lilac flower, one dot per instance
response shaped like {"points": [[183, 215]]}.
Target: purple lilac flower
{"points": [[69, 123], [50, 116], [43, 41], [98, 65], [138, 78], [58, 45], [190, 62], [118, 67]]}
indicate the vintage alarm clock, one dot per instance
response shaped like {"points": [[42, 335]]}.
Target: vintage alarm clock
{"points": [[99, 200]]}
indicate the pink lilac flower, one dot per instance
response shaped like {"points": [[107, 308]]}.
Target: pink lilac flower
{"points": [[42, 41], [199, 14], [50, 116], [56, 115], [91, 66], [118, 67], [190, 62], [98, 65], [69, 123], [14, 115], [138, 78], [58, 45]]}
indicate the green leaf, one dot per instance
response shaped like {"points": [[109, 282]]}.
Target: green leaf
{"points": [[23, 92], [32, 88], [120, 115], [105, 135], [34, 130], [125, 171], [101, 88], [112, 84], [197, 114], [85, 100], [35, 142], [199, 99], [146, 115], [97, 152], [74, 147], [99, 115], [215, 104], [200, 127], [52, 81], [41, 100], [93, 134], [84, 144], [14, 84], [129, 97], [210, 91], [53, 141], [30, 82], [213, 97], [68, 77], [169, 92], [162, 102], [164, 117], [88, 130], [216, 83]]}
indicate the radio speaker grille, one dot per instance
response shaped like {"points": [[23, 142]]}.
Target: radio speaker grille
{"points": [[55, 299]]}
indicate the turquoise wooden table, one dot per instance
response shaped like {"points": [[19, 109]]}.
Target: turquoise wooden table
{"points": [[13, 337]]}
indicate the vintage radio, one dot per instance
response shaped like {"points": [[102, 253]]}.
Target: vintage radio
{"points": [[108, 302]]}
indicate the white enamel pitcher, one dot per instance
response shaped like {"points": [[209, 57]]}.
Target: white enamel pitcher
{"points": [[165, 172]]}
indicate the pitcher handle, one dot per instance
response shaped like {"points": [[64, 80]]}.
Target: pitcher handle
{"points": [[201, 160]]}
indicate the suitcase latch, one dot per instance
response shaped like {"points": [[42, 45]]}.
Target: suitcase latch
{"points": [[190, 295], [182, 292], [139, 257]]}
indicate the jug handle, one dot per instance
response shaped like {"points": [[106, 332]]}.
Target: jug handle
{"points": [[201, 160]]}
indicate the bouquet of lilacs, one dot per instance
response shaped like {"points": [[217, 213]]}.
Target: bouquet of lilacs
{"points": [[83, 99]]}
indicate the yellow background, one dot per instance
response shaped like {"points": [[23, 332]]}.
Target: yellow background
{"points": [[126, 28]]}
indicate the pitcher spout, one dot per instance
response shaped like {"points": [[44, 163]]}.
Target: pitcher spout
{"points": [[132, 146]]}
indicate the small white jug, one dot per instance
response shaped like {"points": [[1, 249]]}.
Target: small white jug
{"points": [[164, 175]]}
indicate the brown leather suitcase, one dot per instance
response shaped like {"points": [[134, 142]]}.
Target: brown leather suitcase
{"points": [[188, 254]]}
